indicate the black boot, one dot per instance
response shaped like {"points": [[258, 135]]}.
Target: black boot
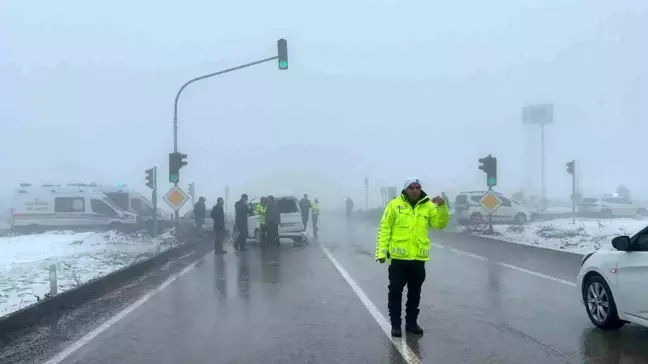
{"points": [[396, 331], [414, 328]]}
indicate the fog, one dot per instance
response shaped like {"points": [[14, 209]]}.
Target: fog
{"points": [[385, 90]]}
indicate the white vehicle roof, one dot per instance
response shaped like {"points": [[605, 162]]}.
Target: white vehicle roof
{"points": [[258, 199]]}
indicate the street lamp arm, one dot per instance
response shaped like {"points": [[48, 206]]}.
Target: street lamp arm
{"points": [[175, 105]]}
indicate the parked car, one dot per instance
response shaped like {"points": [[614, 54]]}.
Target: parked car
{"points": [[291, 227], [187, 222], [467, 209], [610, 206], [612, 283]]}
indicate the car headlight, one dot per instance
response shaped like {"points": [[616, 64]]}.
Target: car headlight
{"points": [[587, 256]]}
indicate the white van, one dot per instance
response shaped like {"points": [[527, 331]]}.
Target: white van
{"points": [[55, 207], [467, 210], [291, 227]]}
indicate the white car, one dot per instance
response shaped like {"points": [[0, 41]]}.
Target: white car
{"points": [[612, 283], [291, 227], [468, 210], [610, 206], [189, 223]]}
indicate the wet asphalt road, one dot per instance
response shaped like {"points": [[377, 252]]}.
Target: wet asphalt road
{"points": [[291, 305]]}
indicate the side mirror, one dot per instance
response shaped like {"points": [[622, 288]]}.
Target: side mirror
{"points": [[621, 243]]}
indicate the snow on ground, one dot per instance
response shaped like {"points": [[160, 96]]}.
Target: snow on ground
{"points": [[585, 236], [79, 257]]}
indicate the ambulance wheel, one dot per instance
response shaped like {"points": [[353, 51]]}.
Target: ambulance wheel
{"points": [[115, 226]]}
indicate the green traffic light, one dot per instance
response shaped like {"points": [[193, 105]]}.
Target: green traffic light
{"points": [[174, 177], [283, 65], [491, 181]]}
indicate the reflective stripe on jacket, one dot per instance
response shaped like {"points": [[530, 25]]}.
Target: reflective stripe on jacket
{"points": [[403, 230]]}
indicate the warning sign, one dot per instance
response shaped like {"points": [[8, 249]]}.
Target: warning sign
{"points": [[176, 197], [490, 202]]}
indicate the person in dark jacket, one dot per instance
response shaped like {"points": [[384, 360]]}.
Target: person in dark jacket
{"points": [[349, 206], [200, 212], [305, 206], [273, 219], [220, 232], [242, 209]]}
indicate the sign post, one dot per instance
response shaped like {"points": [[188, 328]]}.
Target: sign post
{"points": [[490, 202], [175, 198], [540, 115]]}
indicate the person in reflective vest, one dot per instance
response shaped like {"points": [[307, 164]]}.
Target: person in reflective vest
{"points": [[403, 239], [260, 210], [315, 211]]}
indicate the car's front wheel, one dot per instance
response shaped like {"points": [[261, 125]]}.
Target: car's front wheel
{"points": [[600, 304]]}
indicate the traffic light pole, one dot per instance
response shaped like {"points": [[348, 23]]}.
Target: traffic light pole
{"points": [[574, 193], [490, 216], [175, 112], [154, 198]]}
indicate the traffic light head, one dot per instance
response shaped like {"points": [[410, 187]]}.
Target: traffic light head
{"points": [[282, 54], [570, 167], [150, 178], [489, 166], [176, 161]]}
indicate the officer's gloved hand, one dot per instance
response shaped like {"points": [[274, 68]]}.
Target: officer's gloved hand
{"points": [[381, 260]]}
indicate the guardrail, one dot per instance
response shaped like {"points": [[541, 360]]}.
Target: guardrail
{"points": [[49, 310]]}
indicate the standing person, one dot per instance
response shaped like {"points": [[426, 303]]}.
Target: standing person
{"points": [[403, 238], [446, 199], [220, 232], [242, 210], [315, 211], [200, 212], [260, 210], [273, 219], [305, 206], [349, 206]]}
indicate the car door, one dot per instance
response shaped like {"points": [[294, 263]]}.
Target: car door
{"points": [[253, 220], [632, 277]]}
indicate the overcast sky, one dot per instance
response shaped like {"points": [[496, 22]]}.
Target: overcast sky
{"points": [[386, 90]]}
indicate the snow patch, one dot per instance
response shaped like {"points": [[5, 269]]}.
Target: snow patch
{"points": [[585, 236], [79, 257]]}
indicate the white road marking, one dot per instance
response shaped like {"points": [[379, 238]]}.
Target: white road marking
{"points": [[509, 266], [399, 343], [74, 347]]}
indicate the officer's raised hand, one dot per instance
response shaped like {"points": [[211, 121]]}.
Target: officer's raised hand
{"points": [[438, 201]]}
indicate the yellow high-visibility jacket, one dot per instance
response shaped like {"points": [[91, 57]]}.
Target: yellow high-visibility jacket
{"points": [[261, 211], [403, 230]]}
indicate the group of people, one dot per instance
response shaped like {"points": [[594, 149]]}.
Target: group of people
{"points": [[269, 218]]}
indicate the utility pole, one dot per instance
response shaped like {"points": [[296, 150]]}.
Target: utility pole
{"points": [[571, 169], [281, 57], [227, 192], [192, 193], [366, 184]]}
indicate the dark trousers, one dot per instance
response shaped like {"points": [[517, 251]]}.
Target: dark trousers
{"points": [[264, 234], [219, 238], [305, 220], [315, 218], [242, 236], [272, 234], [401, 273]]}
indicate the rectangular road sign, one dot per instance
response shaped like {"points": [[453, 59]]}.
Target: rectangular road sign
{"points": [[176, 197], [538, 114], [490, 202]]}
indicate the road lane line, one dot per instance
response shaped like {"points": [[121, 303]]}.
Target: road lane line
{"points": [[509, 266], [74, 347], [399, 343]]}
